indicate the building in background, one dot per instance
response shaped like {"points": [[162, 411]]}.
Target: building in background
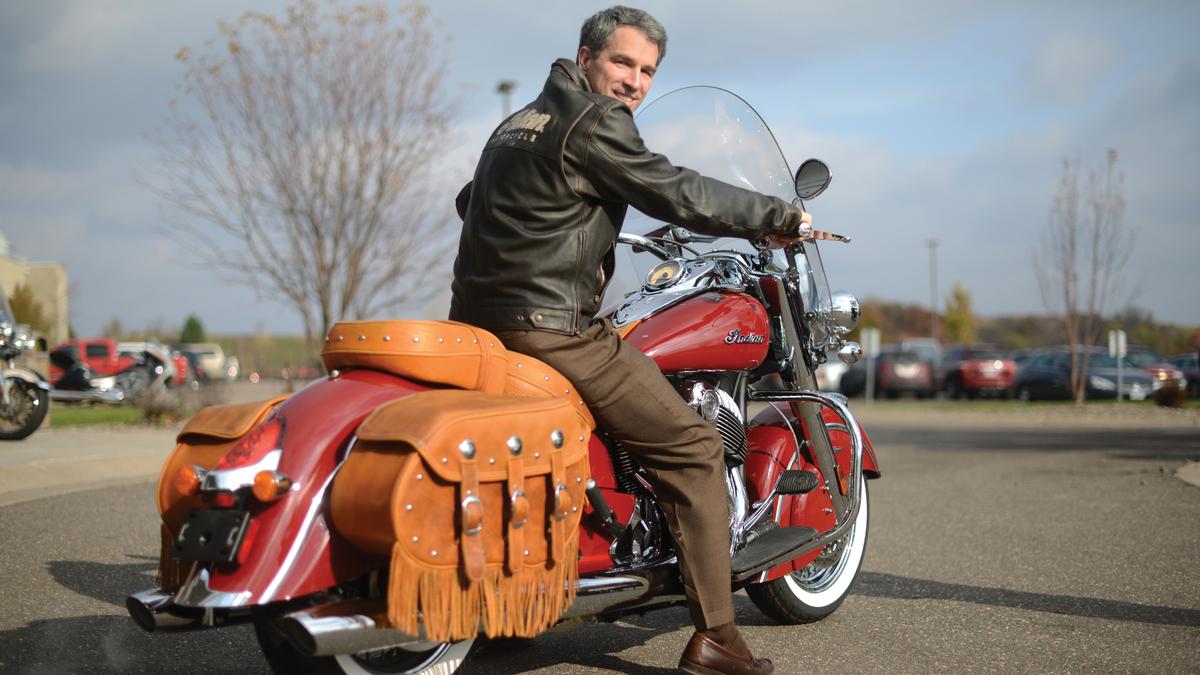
{"points": [[47, 281]]}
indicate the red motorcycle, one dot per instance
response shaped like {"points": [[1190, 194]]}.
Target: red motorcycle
{"points": [[315, 517]]}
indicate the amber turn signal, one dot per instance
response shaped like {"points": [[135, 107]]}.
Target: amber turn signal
{"points": [[270, 485], [188, 479]]}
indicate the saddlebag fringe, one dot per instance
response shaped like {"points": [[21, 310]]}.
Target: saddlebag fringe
{"points": [[501, 604], [444, 481]]}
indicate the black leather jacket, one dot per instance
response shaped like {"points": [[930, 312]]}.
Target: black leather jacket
{"points": [[542, 214]]}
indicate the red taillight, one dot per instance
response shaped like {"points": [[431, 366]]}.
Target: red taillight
{"points": [[267, 437], [220, 500], [188, 479]]}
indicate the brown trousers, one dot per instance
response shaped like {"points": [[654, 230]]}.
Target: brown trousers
{"points": [[634, 403]]}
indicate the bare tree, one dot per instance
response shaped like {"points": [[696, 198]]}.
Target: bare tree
{"points": [[1085, 250], [305, 160]]}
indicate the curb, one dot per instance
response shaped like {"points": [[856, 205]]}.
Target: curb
{"points": [[1189, 473]]}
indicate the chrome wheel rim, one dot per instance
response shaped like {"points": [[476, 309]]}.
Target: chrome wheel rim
{"points": [[816, 578]]}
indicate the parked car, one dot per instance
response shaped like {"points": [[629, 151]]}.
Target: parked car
{"points": [[1048, 376], [207, 357], [829, 375], [975, 370], [1020, 357], [928, 350], [1155, 366], [1189, 364], [896, 372]]}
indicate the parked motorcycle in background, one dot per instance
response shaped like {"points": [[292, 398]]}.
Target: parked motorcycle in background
{"points": [[103, 370], [24, 393]]}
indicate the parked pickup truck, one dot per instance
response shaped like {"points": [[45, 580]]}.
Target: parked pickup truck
{"points": [[99, 354], [208, 357]]}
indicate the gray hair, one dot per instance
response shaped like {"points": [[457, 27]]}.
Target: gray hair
{"points": [[600, 26]]}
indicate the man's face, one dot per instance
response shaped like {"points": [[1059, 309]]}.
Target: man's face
{"points": [[624, 68]]}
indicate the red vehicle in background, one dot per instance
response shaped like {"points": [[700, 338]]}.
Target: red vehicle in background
{"points": [[183, 370], [101, 369], [974, 370], [99, 354], [1159, 370]]}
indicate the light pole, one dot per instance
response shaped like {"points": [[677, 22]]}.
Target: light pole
{"points": [[504, 88], [933, 311]]}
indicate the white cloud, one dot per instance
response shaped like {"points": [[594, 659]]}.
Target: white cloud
{"points": [[89, 33], [1066, 68]]}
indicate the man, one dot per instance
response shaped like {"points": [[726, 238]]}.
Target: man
{"points": [[540, 220]]}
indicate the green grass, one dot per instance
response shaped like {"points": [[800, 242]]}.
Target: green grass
{"points": [[78, 415]]}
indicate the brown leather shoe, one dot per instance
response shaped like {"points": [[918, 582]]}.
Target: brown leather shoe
{"points": [[704, 656]]}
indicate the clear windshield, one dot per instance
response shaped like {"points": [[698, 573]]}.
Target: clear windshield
{"points": [[716, 133]]}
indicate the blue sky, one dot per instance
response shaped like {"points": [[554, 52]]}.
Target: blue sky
{"points": [[943, 120]]}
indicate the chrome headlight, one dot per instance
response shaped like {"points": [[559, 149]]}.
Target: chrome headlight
{"points": [[844, 311], [664, 274], [6, 329]]}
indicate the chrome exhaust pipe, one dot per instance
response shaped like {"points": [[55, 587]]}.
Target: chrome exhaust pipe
{"points": [[154, 610], [597, 594], [101, 396], [352, 626], [347, 627]]}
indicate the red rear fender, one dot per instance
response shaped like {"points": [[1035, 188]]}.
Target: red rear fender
{"points": [[290, 549]]}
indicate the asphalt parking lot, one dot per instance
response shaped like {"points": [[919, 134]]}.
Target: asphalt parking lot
{"points": [[999, 543]]}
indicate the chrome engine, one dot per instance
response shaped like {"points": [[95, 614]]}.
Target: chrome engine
{"points": [[718, 407]]}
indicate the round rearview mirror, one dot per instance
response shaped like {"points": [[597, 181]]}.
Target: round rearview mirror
{"points": [[812, 178]]}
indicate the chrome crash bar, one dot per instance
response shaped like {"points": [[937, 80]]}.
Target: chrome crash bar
{"points": [[844, 520]]}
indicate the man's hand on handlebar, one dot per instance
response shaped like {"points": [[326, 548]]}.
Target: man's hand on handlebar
{"points": [[803, 232]]}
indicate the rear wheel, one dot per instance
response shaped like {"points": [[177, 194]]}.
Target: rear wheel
{"points": [[441, 658], [25, 410], [816, 591], [1023, 394]]}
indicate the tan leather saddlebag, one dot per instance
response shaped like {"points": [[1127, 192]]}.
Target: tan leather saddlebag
{"points": [[477, 498], [203, 441]]}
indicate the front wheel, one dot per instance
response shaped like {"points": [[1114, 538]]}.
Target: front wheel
{"points": [[25, 410], [437, 659], [816, 591]]}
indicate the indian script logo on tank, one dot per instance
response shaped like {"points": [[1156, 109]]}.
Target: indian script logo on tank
{"points": [[524, 126], [735, 337]]}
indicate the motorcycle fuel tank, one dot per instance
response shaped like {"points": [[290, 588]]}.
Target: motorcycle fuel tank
{"points": [[713, 331]]}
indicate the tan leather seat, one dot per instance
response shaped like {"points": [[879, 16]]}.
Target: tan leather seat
{"points": [[445, 352]]}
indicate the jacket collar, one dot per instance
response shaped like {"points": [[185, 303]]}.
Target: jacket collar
{"points": [[574, 74]]}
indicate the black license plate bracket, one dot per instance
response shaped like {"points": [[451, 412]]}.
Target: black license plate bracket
{"points": [[211, 535]]}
